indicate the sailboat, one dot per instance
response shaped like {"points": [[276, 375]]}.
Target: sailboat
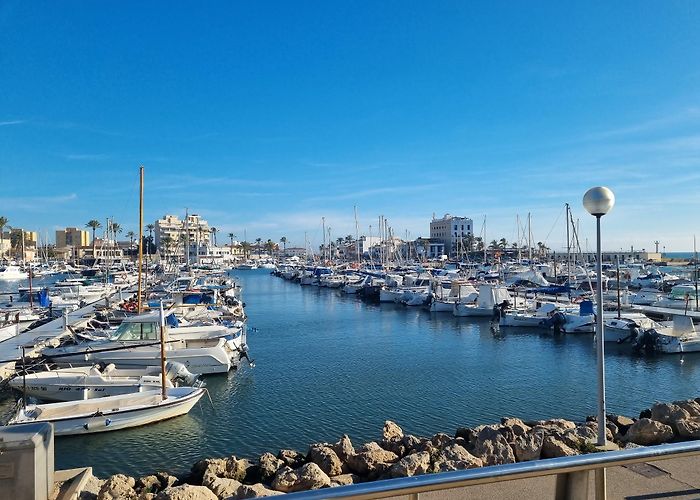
{"points": [[115, 412]]}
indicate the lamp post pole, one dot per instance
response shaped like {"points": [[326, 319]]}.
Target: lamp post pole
{"points": [[598, 201]]}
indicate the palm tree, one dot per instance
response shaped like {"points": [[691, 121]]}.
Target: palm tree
{"points": [[94, 224], [213, 234], [130, 235], [270, 247], [479, 243], [493, 245], [165, 244], [502, 243], [245, 246], [3, 223], [283, 240], [257, 242], [150, 228]]}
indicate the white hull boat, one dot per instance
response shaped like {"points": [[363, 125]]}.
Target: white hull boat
{"points": [[489, 296], [110, 413], [12, 273], [88, 382]]}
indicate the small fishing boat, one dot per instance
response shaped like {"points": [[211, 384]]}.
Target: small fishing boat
{"points": [[111, 413], [88, 382]]}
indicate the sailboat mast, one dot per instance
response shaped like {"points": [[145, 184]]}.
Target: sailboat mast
{"points": [[357, 236], [163, 390], [618, 285], [695, 259], [323, 229], [568, 247], [529, 238], [140, 292], [187, 237], [484, 241]]}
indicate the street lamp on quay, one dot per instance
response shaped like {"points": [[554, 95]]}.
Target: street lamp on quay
{"points": [[598, 201]]}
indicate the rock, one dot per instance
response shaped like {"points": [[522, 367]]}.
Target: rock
{"points": [[268, 465], [553, 447], [345, 480], [391, 432], [166, 480], [371, 460], [512, 428], [148, 484], [492, 447], [440, 440], [344, 448], [235, 468], [455, 457], [465, 432], [689, 428], [221, 487], [291, 458], [623, 423], [410, 442], [253, 491], [689, 405], [307, 477], [648, 432], [528, 446], [186, 492], [118, 487], [326, 459], [553, 424], [411, 465], [668, 413], [213, 466]]}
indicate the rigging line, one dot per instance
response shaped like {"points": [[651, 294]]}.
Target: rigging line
{"points": [[553, 226]]}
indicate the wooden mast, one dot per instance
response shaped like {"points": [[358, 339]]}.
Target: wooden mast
{"points": [[140, 294]]}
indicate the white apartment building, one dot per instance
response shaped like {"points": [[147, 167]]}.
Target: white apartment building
{"points": [[170, 227], [449, 230]]}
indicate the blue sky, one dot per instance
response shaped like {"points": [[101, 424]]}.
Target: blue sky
{"points": [[266, 116]]}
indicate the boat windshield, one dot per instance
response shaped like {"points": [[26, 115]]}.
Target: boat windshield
{"points": [[136, 331]]}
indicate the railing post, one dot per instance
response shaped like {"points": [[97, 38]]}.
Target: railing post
{"points": [[572, 486]]}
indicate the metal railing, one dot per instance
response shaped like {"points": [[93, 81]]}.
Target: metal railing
{"points": [[572, 474]]}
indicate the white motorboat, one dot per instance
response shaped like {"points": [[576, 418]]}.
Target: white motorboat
{"points": [[532, 318], [111, 413], [88, 382], [12, 273], [459, 293], [489, 296], [627, 326], [137, 343], [679, 338]]}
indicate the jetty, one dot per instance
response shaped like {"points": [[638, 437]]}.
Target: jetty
{"points": [[33, 340]]}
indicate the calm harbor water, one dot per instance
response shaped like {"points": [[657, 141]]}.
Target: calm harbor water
{"points": [[328, 364]]}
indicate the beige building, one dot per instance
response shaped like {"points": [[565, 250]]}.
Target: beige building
{"points": [[72, 237], [177, 232]]}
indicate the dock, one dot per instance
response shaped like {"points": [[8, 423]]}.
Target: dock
{"points": [[32, 340], [667, 312]]}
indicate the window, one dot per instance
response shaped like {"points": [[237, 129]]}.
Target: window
{"points": [[136, 331]]}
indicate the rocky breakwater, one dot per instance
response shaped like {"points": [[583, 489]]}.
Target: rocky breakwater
{"points": [[399, 454]]}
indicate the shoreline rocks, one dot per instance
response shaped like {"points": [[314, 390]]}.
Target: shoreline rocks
{"points": [[399, 454]]}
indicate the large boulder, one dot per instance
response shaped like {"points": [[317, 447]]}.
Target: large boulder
{"points": [[118, 487], [668, 413], [689, 428], [326, 459], [208, 466], [186, 492], [268, 465], [371, 461], [307, 477], [492, 447], [345, 480], [235, 468], [621, 422], [689, 405], [553, 448], [253, 491], [528, 446], [292, 458], [455, 457], [344, 448], [558, 424], [220, 486], [391, 432], [411, 465], [512, 428], [649, 432]]}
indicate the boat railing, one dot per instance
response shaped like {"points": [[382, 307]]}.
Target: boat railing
{"points": [[572, 475]]}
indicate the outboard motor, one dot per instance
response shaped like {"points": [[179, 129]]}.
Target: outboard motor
{"points": [[178, 374], [558, 321], [647, 341]]}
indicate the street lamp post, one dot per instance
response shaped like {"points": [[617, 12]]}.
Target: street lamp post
{"points": [[598, 201]]}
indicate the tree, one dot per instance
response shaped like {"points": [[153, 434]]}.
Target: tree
{"points": [[479, 243], [283, 240], [150, 228], [245, 246], [502, 244], [116, 228], [94, 224], [257, 242], [131, 235], [3, 223], [213, 234], [270, 247], [165, 243], [493, 245]]}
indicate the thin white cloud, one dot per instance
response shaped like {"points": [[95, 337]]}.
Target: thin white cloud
{"points": [[12, 122]]}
